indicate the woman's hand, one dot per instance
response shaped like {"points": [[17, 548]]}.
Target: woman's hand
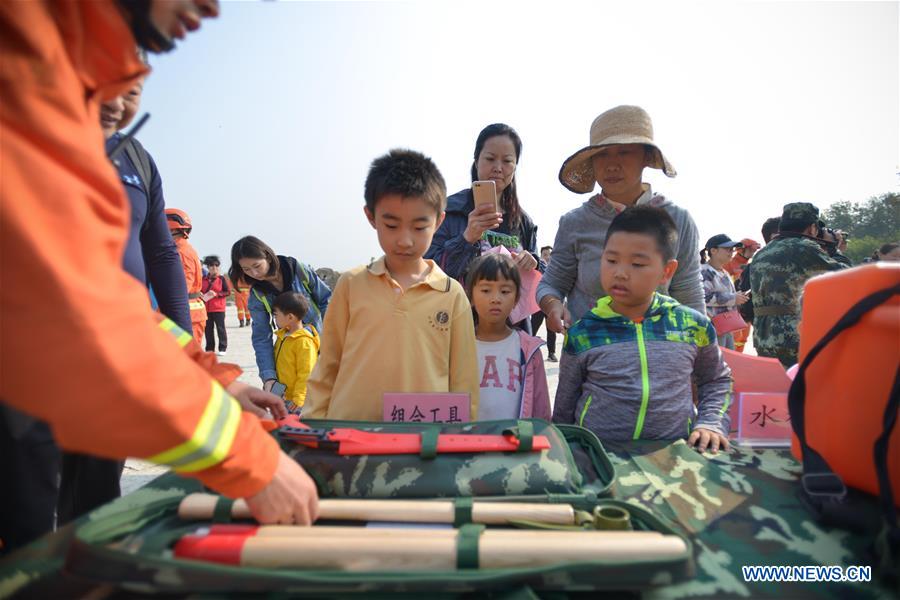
{"points": [[267, 384], [558, 317], [524, 261], [741, 298], [481, 219]]}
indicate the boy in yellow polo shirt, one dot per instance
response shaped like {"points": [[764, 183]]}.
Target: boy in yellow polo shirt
{"points": [[399, 324]]}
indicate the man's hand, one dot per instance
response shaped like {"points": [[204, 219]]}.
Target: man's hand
{"points": [[267, 384], [289, 499], [524, 261], [481, 219], [257, 401], [558, 317], [741, 298], [706, 438]]}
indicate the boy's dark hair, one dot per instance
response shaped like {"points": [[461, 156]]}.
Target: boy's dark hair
{"points": [[409, 174], [251, 247], [550, 248], [212, 261], [492, 267], [509, 198], [291, 303], [647, 220], [770, 228]]}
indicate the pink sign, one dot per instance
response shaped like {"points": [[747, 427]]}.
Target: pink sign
{"points": [[753, 374], [763, 419], [436, 407]]}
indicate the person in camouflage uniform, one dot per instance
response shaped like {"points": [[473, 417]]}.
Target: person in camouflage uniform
{"points": [[776, 281]]}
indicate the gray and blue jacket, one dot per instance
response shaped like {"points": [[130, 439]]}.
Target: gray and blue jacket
{"points": [[625, 379]]}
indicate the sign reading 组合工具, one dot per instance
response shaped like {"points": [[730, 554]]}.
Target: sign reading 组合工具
{"points": [[426, 407]]}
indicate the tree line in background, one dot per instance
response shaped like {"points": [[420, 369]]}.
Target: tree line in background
{"points": [[871, 223]]}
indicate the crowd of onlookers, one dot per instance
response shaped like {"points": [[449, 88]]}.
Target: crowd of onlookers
{"points": [[449, 307]]}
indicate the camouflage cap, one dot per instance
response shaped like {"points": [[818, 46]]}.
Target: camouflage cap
{"points": [[803, 212]]}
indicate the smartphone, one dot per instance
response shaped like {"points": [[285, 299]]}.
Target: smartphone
{"points": [[279, 389], [485, 192]]}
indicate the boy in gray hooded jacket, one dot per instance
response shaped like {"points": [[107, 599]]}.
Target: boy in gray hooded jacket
{"points": [[627, 365]]}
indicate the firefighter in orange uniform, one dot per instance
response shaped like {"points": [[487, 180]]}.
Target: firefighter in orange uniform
{"points": [[241, 295], [130, 390], [180, 227]]}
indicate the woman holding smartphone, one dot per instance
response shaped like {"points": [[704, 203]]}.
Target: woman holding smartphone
{"points": [[468, 230], [268, 275]]}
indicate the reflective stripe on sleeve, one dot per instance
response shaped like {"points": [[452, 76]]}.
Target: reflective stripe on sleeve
{"points": [[212, 437], [181, 336]]}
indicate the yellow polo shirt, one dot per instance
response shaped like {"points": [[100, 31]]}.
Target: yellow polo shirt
{"points": [[378, 338]]}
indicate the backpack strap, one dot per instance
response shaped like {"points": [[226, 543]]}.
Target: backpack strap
{"points": [[304, 280], [141, 161], [265, 303], [822, 489]]}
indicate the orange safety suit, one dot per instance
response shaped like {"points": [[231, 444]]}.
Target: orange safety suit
{"points": [[193, 276], [241, 296], [130, 390]]}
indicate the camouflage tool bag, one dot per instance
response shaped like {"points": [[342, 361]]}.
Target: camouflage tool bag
{"points": [[573, 468], [130, 542]]}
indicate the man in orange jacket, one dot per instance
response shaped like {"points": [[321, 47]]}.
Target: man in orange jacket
{"points": [[129, 389], [180, 227]]}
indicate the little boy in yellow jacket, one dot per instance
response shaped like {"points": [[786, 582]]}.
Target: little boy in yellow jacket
{"points": [[296, 347]]}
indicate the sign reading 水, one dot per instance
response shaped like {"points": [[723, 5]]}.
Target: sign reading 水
{"points": [[763, 419]]}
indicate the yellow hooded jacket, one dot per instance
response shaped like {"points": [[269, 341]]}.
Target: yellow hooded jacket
{"points": [[295, 356]]}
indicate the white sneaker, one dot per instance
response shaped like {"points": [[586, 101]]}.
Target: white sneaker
{"points": [[220, 353]]}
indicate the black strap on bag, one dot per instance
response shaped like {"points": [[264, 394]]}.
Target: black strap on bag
{"points": [[821, 488], [141, 160]]}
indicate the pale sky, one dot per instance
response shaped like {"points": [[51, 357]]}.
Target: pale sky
{"points": [[265, 121]]}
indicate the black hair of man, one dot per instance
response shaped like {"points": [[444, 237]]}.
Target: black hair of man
{"points": [[770, 228], [212, 261], [291, 303], [647, 220], [408, 174], [794, 225], [550, 248]]}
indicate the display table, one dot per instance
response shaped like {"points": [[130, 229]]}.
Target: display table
{"points": [[740, 508]]}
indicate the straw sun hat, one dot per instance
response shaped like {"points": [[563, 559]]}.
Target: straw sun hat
{"points": [[619, 125]]}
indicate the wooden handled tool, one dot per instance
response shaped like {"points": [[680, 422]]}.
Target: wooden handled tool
{"points": [[363, 549], [201, 507]]}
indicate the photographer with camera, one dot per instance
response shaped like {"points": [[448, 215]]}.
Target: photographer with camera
{"points": [[834, 242], [777, 277]]}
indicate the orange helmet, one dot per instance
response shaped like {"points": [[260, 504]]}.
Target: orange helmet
{"points": [[178, 220]]}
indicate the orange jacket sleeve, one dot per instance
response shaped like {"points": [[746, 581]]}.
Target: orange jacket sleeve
{"points": [[224, 373], [69, 311]]}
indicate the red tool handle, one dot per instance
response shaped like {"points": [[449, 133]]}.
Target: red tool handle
{"points": [[355, 442]]}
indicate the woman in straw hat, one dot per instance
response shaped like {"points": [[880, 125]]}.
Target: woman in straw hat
{"points": [[621, 146], [468, 230]]}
